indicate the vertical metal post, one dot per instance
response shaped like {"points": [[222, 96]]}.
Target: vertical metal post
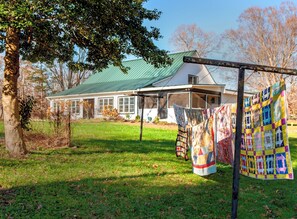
{"points": [[141, 121], [236, 165]]}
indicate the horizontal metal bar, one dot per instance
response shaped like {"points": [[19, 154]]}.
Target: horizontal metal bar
{"points": [[229, 64]]}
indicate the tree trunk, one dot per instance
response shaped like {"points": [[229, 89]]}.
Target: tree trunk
{"points": [[13, 131]]}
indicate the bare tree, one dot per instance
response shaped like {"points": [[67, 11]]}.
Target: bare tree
{"points": [[191, 37], [63, 76], [268, 37]]}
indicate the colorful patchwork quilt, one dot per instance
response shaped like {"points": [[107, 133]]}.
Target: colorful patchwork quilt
{"points": [[265, 152], [182, 143], [182, 138], [202, 150]]}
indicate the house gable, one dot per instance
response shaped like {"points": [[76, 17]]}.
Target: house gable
{"points": [[203, 76]]}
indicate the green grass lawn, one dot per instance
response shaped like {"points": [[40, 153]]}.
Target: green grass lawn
{"points": [[110, 174]]}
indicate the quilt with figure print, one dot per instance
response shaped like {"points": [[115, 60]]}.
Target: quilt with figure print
{"points": [[202, 148], [224, 134], [265, 152], [194, 116]]}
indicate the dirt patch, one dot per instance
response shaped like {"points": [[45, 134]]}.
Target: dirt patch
{"points": [[161, 125], [169, 126], [42, 140]]}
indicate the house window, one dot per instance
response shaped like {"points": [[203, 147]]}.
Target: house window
{"points": [[56, 107], [193, 79], [181, 99], [149, 102], [75, 107], [126, 104], [213, 101], [198, 100], [102, 102]]}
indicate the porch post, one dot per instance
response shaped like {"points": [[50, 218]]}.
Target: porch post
{"points": [[141, 121], [190, 99]]}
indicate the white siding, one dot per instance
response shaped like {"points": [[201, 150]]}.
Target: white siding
{"points": [[229, 98], [152, 113], [171, 116], [181, 77]]}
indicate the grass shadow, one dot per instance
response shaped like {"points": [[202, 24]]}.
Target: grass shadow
{"points": [[144, 196]]}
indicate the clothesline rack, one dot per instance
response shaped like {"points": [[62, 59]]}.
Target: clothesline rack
{"points": [[240, 91], [143, 96]]}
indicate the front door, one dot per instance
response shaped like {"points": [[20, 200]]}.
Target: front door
{"points": [[88, 106]]}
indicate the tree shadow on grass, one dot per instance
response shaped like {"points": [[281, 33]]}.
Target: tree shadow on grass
{"points": [[132, 196], [167, 195]]}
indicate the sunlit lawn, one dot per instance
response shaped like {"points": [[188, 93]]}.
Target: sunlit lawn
{"points": [[110, 174]]}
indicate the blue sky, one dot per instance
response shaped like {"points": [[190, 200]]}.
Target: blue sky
{"points": [[210, 15]]}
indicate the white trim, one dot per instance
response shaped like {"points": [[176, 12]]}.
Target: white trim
{"points": [[234, 92], [187, 86], [77, 106], [91, 94]]}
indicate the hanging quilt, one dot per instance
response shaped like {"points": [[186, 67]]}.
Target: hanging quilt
{"points": [[182, 143], [224, 137], [194, 116], [265, 152], [182, 138], [209, 112], [180, 115], [202, 150]]}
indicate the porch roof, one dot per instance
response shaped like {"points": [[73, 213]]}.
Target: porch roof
{"points": [[106, 90]]}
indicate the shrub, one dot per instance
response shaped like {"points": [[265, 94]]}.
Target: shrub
{"points": [[110, 112], [137, 118], [60, 121], [128, 116], [25, 109], [156, 120]]}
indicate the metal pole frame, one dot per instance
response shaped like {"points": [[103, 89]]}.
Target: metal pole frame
{"points": [[242, 67], [236, 164]]}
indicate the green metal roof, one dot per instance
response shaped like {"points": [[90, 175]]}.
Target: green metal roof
{"points": [[140, 74]]}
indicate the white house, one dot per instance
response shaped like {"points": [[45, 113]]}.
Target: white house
{"points": [[185, 84]]}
